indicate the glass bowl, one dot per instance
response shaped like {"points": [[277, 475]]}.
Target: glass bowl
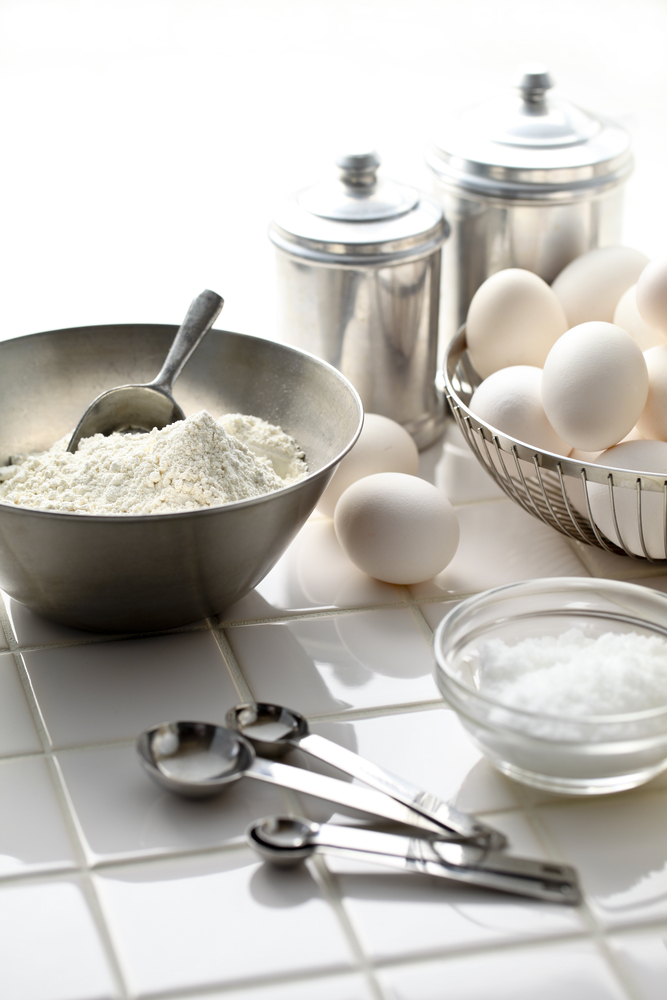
{"points": [[566, 750]]}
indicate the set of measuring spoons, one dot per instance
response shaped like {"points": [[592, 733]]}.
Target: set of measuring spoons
{"points": [[198, 759]]}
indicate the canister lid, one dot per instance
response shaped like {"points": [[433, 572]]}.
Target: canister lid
{"points": [[531, 146], [359, 218]]}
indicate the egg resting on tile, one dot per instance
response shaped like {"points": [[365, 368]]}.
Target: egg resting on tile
{"points": [[397, 528]]}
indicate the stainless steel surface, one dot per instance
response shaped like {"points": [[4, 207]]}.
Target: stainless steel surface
{"points": [[198, 759], [287, 840], [527, 181], [142, 407], [359, 195], [544, 494], [273, 730], [358, 268], [139, 573]]}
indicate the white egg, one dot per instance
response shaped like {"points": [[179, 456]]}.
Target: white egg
{"points": [[638, 456], [652, 295], [653, 420], [594, 385], [510, 400], [397, 528], [382, 446], [514, 319], [627, 317], [590, 287]]}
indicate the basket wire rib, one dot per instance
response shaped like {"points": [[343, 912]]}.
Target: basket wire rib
{"points": [[545, 494]]}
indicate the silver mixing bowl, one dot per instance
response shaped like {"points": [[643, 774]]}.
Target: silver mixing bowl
{"points": [[134, 573]]}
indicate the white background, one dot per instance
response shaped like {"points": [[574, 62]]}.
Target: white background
{"points": [[144, 144]]}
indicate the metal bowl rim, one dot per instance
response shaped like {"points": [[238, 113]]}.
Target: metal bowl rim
{"points": [[233, 505]]}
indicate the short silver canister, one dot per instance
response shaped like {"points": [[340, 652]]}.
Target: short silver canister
{"points": [[358, 269], [526, 181]]}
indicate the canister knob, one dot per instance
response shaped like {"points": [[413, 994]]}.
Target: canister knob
{"points": [[358, 168], [533, 80], [358, 195]]}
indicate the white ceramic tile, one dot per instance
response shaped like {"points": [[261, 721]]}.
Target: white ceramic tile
{"points": [[33, 834], [599, 562], [345, 986], [435, 611], [325, 665], [618, 843], [313, 573], [49, 945], [17, 729], [571, 971], [397, 914], [643, 961], [429, 749], [113, 690], [501, 543], [32, 629], [187, 923], [123, 812], [457, 472]]}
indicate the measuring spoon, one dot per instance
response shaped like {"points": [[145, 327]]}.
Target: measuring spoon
{"points": [[287, 840], [273, 730], [142, 407], [198, 759]]}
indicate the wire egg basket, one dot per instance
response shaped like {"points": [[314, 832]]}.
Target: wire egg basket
{"points": [[553, 488]]}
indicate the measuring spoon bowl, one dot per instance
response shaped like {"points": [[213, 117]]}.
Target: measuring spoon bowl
{"points": [[198, 759], [195, 759], [272, 729], [283, 840]]}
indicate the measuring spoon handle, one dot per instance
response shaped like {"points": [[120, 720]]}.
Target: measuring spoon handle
{"points": [[450, 822], [200, 317], [341, 793], [459, 862]]}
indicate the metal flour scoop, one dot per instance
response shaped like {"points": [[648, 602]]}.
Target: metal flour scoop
{"points": [[142, 407]]}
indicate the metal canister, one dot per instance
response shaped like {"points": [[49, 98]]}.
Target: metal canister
{"points": [[359, 264], [525, 181]]}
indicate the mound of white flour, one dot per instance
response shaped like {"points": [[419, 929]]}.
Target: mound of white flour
{"points": [[197, 462]]}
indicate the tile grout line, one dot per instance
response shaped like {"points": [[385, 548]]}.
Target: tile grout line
{"points": [[216, 989], [285, 616], [466, 949], [331, 891], [66, 809], [229, 659], [89, 885], [596, 933], [329, 887], [28, 690]]}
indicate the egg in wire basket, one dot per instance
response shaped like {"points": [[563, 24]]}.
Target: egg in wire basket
{"points": [[553, 488]]}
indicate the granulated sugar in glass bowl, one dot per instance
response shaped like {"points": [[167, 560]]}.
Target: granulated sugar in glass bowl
{"points": [[561, 683]]}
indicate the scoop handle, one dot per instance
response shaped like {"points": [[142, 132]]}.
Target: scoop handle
{"points": [[200, 317]]}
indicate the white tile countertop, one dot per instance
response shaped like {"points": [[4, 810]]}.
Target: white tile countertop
{"points": [[146, 145], [110, 887]]}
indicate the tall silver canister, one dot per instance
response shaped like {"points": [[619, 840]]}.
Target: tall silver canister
{"points": [[358, 269], [526, 181]]}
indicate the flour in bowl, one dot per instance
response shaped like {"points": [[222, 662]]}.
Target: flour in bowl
{"points": [[195, 463]]}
